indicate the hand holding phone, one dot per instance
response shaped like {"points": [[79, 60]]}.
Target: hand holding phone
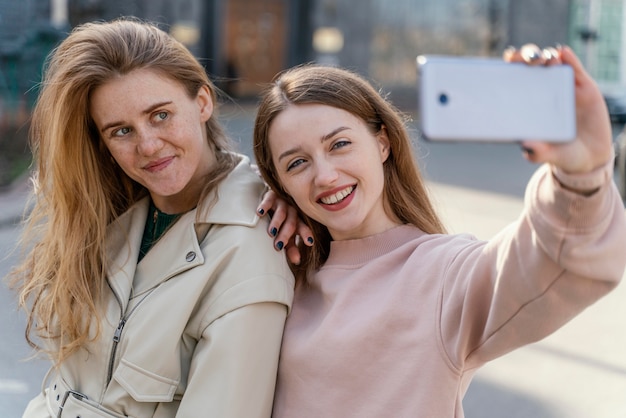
{"points": [[486, 99]]}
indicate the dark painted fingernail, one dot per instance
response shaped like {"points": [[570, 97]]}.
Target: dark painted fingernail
{"points": [[280, 245], [310, 240], [261, 211], [274, 231]]}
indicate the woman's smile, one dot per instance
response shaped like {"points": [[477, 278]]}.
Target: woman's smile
{"points": [[331, 163], [333, 199], [158, 165]]}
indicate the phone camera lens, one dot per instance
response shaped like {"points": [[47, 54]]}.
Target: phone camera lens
{"points": [[443, 98]]}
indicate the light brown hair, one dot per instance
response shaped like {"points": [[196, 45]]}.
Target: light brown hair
{"points": [[405, 194], [78, 188]]}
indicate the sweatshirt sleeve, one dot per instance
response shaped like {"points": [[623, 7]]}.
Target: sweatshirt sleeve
{"points": [[565, 252]]}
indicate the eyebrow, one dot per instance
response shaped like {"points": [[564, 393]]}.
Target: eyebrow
{"points": [[322, 139], [145, 112]]}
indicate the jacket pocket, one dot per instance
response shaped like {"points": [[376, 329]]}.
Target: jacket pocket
{"points": [[144, 385], [78, 406]]}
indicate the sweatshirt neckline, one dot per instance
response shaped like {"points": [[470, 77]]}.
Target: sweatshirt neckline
{"points": [[362, 250]]}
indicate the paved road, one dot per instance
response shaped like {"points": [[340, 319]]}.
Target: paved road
{"points": [[578, 372], [19, 379]]}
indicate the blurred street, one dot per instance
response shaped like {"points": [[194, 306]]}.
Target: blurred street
{"points": [[578, 372]]}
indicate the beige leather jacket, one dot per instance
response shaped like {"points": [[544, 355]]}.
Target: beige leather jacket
{"points": [[194, 329]]}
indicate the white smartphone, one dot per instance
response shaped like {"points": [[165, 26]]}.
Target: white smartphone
{"points": [[487, 99]]}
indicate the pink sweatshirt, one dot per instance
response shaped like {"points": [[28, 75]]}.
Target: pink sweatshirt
{"points": [[396, 324]]}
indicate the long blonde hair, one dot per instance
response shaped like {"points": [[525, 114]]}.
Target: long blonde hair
{"points": [[78, 189], [405, 192]]}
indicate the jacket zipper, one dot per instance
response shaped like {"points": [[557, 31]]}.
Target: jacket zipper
{"points": [[117, 335], [116, 339]]}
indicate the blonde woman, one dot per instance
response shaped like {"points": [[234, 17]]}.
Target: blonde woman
{"points": [[148, 278]]}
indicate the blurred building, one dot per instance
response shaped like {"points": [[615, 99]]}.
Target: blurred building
{"points": [[244, 43], [26, 37], [383, 41], [596, 31]]}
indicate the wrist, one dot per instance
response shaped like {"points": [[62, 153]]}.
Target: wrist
{"points": [[585, 184]]}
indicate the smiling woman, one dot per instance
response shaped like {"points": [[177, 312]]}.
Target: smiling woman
{"points": [[156, 135], [334, 142], [391, 315], [144, 260]]}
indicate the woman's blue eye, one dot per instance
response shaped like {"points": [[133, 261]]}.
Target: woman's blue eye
{"points": [[340, 144], [161, 115], [121, 132], [295, 163]]}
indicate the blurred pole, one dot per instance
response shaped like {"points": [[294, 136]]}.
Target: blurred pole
{"points": [[622, 59], [495, 15], [589, 34], [59, 13]]}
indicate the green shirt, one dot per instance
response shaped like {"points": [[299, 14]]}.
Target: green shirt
{"points": [[157, 223]]}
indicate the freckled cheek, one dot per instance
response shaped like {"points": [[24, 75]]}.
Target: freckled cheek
{"points": [[124, 157], [116, 153]]}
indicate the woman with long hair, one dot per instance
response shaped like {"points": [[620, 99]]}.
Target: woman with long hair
{"points": [[391, 315], [147, 277]]}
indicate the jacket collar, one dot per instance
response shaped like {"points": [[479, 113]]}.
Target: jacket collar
{"points": [[239, 192], [238, 196]]}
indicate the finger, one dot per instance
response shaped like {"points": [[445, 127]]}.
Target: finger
{"points": [[278, 214], [268, 201], [293, 252], [305, 233], [286, 231], [537, 151], [293, 255], [551, 56], [510, 53], [528, 150], [531, 54], [568, 57]]}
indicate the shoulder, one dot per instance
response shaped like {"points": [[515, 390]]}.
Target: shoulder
{"points": [[441, 244], [246, 269], [236, 198], [442, 249]]}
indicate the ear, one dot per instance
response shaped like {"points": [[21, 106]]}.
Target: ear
{"points": [[383, 143], [205, 103]]}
